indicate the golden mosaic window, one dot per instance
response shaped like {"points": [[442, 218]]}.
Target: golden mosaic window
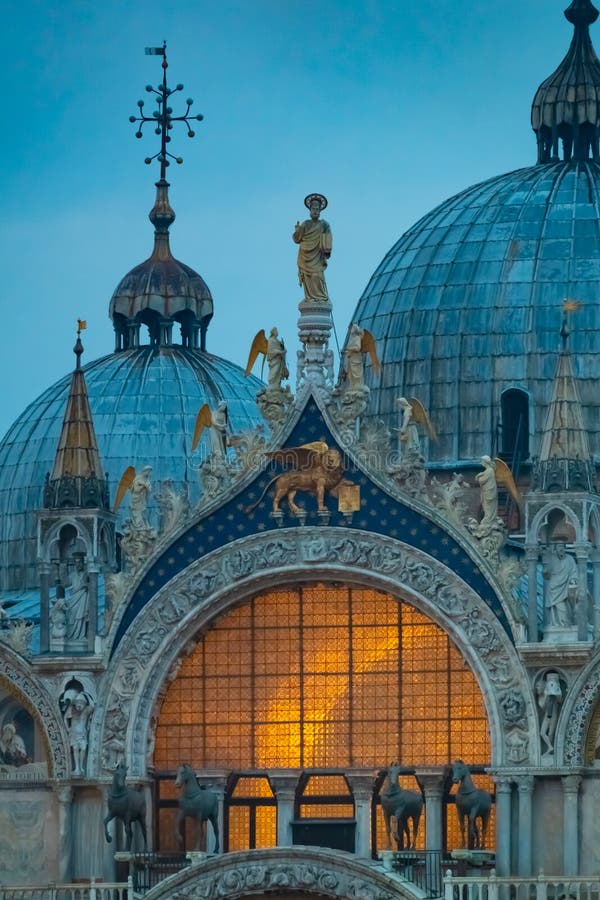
{"points": [[322, 676]]}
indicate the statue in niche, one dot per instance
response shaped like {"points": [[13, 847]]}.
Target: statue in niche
{"points": [[77, 605], [550, 698], [12, 747], [59, 612], [314, 240], [561, 578], [78, 708]]}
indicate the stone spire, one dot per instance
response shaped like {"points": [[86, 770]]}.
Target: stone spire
{"points": [[565, 461], [566, 106], [77, 479]]}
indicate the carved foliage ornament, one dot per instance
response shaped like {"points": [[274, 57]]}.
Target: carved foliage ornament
{"points": [[137, 674]]}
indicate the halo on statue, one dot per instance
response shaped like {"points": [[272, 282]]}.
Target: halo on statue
{"points": [[319, 198]]}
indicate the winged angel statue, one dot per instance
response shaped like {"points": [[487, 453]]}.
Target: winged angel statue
{"points": [[317, 469], [273, 351], [414, 415], [495, 472]]}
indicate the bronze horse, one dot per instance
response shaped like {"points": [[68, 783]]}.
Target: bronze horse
{"points": [[196, 802], [471, 804], [127, 804], [406, 806]]}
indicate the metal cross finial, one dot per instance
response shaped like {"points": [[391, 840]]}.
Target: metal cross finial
{"points": [[163, 117]]}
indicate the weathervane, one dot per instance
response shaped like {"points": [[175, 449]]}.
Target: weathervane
{"points": [[163, 117]]}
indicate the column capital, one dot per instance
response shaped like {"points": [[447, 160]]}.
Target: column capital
{"points": [[361, 782], [524, 783], [284, 782], [64, 793], [432, 779], [503, 782], [571, 784], [532, 553]]}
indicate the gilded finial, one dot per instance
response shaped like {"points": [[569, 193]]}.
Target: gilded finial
{"points": [[78, 348], [163, 117]]}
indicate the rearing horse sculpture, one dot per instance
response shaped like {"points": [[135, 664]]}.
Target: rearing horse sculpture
{"points": [[406, 806], [196, 802], [472, 803]]}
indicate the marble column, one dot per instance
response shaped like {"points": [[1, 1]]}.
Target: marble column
{"points": [[503, 823], [581, 608], [531, 555], [64, 795], [44, 570], [432, 780], [284, 783], [525, 785], [93, 571], [362, 785], [571, 784]]}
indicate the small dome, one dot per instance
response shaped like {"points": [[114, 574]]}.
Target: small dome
{"points": [[144, 404], [566, 106], [468, 305], [161, 292]]}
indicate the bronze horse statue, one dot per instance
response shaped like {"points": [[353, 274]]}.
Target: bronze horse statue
{"points": [[471, 804], [127, 804], [196, 802], [405, 806]]}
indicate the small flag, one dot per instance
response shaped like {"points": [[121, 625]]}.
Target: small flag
{"points": [[571, 305], [81, 324]]}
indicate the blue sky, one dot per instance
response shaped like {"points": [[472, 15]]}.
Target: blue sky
{"points": [[386, 107]]}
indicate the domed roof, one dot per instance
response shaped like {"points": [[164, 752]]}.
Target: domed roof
{"points": [[468, 303], [144, 403]]}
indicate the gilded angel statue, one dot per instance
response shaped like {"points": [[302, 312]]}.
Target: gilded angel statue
{"points": [[413, 415], [273, 351], [495, 472], [360, 341], [216, 420], [141, 487]]}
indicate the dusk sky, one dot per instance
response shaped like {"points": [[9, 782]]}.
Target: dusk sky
{"points": [[387, 108]]}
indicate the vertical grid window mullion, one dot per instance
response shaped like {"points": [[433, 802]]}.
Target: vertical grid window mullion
{"points": [[399, 681], [301, 668], [350, 679], [252, 682]]}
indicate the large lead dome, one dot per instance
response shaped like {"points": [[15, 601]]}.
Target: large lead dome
{"points": [[466, 306]]}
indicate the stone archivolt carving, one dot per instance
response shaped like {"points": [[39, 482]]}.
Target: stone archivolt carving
{"points": [[212, 584], [34, 697], [577, 712], [276, 871]]}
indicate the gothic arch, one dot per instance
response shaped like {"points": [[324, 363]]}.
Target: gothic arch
{"points": [[151, 650], [541, 515], [18, 680], [280, 871]]}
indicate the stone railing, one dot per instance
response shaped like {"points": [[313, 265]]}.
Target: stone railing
{"points": [[92, 890], [542, 887]]}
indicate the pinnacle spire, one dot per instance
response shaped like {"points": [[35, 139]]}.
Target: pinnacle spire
{"points": [[565, 460], [77, 478], [566, 106]]}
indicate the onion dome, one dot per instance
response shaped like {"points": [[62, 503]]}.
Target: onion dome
{"points": [[144, 404], [566, 106], [467, 305], [161, 292]]}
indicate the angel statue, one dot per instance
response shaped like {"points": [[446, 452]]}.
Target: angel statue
{"points": [[273, 350], [360, 341], [413, 414], [216, 420], [141, 487], [495, 472]]}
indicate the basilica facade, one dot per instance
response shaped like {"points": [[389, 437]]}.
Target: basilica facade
{"points": [[387, 570]]}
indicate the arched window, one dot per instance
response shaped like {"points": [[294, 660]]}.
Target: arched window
{"points": [[322, 678], [514, 426]]}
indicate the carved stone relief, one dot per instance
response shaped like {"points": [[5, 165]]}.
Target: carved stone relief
{"points": [[278, 871], [209, 586]]}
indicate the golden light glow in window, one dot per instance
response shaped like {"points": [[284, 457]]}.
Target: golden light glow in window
{"points": [[322, 676]]}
